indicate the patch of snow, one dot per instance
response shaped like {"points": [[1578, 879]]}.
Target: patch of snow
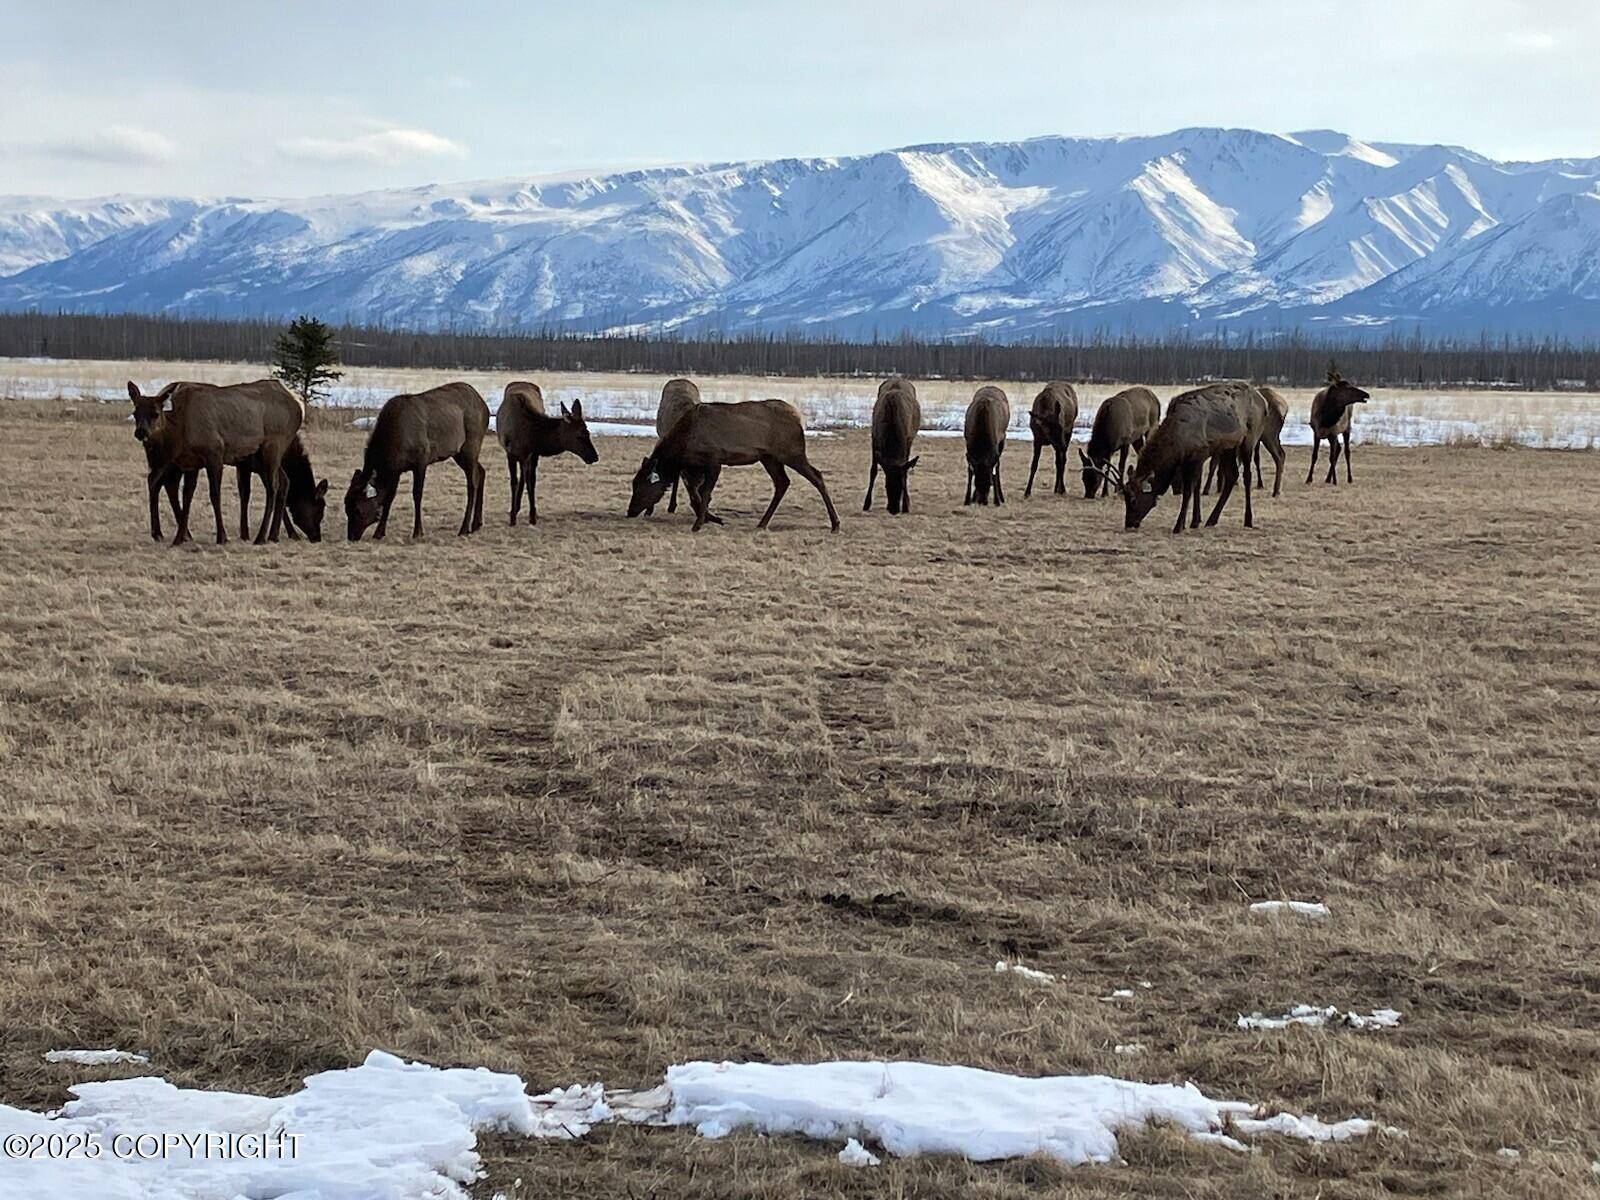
{"points": [[569, 1113], [1119, 994], [855, 1154], [386, 1130], [1301, 908], [921, 1108], [94, 1058], [1026, 972], [1306, 1014], [1508, 1153], [1129, 1048]]}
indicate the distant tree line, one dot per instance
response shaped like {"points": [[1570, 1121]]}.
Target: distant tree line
{"points": [[1293, 358]]}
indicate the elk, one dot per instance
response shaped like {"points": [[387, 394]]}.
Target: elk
{"points": [[303, 509], [678, 396], [1271, 438], [1330, 418], [1055, 410], [1122, 421], [527, 434], [896, 417], [187, 427], [1220, 421], [413, 432], [711, 436], [985, 432]]}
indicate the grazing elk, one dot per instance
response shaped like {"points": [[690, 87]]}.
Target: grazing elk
{"points": [[1271, 438], [1221, 420], [1122, 421], [985, 432], [187, 427], [306, 497], [711, 436], [1055, 410], [412, 433], [1330, 418], [678, 396], [896, 417], [527, 434]]}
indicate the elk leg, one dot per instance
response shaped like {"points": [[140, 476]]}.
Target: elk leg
{"points": [[999, 492], [905, 492], [1122, 472], [1193, 474], [814, 477], [1333, 460], [872, 478], [154, 482], [1274, 448], [390, 488], [272, 474], [1247, 457], [1038, 446], [1348, 477], [708, 484], [1230, 476], [477, 505], [190, 478], [530, 475], [214, 487], [516, 486], [968, 500], [1061, 470], [419, 477], [244, 473], [1211, 472], [780, 485], [1316, 444]]}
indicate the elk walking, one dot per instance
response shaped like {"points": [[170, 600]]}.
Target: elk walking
{"points": [[711, 436], [896, 417], [985, 430], [1220, 421], [1330, 418], [189, 427], [678, 396], [1122, 421], [1055, 410], [528, 434], [412, 432]]}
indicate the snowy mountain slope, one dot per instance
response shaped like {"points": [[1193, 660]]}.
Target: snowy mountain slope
{"points": [[1195, 227]]}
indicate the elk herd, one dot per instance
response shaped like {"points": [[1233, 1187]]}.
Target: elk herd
{"points": [[1217, 431]]}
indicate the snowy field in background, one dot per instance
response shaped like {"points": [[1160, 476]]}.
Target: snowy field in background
{"points": [[627, 403]]}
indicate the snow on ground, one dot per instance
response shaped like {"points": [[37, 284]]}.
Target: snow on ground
{"points": [[93, 1058], [1026, 972], [386, 1130], [1307, 1014], [1128, 1048], [1301, 908], [922, 1108], [855, 1154]]}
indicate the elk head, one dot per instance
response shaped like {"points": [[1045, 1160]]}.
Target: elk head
{"points": [[895, 483], [650, 483], [1093, 475], [573, 434], [1342, 393], [1138, 498], [147, 410], [308, 510], [362, 504]]}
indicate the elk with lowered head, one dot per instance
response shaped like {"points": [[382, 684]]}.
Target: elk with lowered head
{"points": [[412, 433], [189, 427], [896, 417], [678, 396], [1122, 421], [1330, 418], [711, 436], [303, 509], [1054, 411], [985, 432], [527, 434], [1221, 421]]}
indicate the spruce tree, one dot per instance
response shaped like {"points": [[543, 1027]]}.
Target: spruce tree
{"points": [[304, 358]]}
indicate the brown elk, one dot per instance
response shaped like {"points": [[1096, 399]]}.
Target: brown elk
{"points": [[1271, 438], [711, 436], [985, 430], [678, 396], [187, 427], [1330, 418], [527, 434], [1122, 421], [1221, 420], [412, 433], [303, 509], [896, 417], [1055, 410]]}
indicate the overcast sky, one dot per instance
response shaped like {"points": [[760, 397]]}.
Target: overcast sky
{"points": [[290, 98]]}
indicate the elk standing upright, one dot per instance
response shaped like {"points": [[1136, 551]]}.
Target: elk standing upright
{"points": [[1055, 410]]}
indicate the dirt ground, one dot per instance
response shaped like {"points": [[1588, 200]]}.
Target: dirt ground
{"points": [[583, 800]]}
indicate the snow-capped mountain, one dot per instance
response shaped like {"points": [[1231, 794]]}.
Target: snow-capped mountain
{"points": [[1197, 228]]}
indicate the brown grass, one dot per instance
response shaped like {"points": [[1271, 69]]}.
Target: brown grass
{"points": [[581, 801]]}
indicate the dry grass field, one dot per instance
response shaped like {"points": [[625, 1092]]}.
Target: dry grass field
{"points": [[584, 800]]}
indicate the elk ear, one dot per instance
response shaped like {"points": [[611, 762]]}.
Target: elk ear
{"points": [[133, 392], [913, 462], [577, 409], [564, 411], [322, 489]]}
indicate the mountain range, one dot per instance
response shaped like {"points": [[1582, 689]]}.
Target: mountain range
{"points": [[1199, 229]]}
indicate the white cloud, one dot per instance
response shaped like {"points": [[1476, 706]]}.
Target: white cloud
{"points": [[388, 147], [1532, 40], [118, 145]]}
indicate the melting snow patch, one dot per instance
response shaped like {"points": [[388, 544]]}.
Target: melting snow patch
{"points": [[386, 1130], [1307, 1014], [921, 1108], [855, 1154], [1129, 1048], [1302, 908], [1120, 994], [1026, 972], [93, 1058], [1508, 1153]]}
